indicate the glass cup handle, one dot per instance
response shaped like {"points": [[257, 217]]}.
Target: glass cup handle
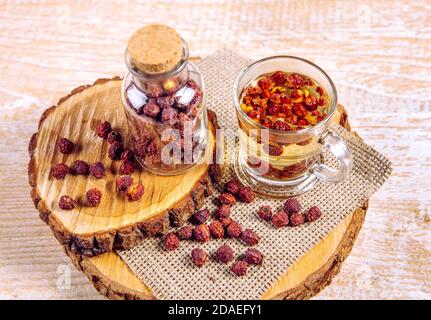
{"points": [[341, 152]]}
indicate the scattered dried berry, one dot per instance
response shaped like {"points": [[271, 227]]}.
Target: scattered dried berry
{"points": [[222, 212], [313, 214], [227, 198], [280, 219], [201, 233], [253, 256], [126, 167], [249, 237], [245, 194], [60, 171], [104, 129], [123, 183], [296, 219], [225, 221], [114, 136], [127, 154], [265, 213], [80, 167], [171, 241], [224, 254], [234, 229], [200, 216], [65, 145], [232, 186], [185, 233], [67, 203], [93, 197], [151, 109], [135, 192], [216, 229], [115, 150], [199, 257], [97, 170], [292, 205], [239, 268]]}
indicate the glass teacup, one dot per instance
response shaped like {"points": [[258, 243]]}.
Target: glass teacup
{"points": [[297, 165]]}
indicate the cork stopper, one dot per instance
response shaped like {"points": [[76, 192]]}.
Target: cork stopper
{"points": [[155, 48]]}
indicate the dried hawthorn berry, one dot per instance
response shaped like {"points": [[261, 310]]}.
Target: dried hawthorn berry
{"points": [[234, 229], [126, 167], [171, 241], [93, 197], [200, 216], [65, 146], [273, 150], [280, 219], [313, 214], [80, 167], [295, 80], [127, 154], [169, 116], [60, 171], [253, 256], [279, 77], [185, 233], [123, 183], [114, 136], [104, 129], [201, 233], [225, 221], [97, 170], [232, 186], [224, 254], [296, 219], [151, 109], [199, 257], [249, 237], [135, 191], [227, 198], [222, 212], [67, 203], [245, 194], [265, 213], [292, 205], [216, 229], [280, 125], [239, 268], [115, 150]]}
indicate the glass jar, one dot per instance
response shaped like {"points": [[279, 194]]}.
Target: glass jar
{"points": [[295, 165], [167, 115]]}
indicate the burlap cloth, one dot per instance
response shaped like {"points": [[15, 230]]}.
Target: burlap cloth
{"points": [[170, 275]]}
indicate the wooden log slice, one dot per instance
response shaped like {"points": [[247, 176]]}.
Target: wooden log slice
{"points": [[116, 223], [304, 279]]}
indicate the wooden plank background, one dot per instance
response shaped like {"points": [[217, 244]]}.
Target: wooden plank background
{"points": [[377, 52]]}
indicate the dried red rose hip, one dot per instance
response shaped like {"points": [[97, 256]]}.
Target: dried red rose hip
{"points": [[222, 212], [232, 186], [171, 241], [292, 205], [224, 254], [234, 229], [200, 216], [126, 167], [185, 233], [93, 197], [227, 199], [135, 191], [265, 213], [225, 221], [65, 145], [60, 171], [201, 233], [313, 214], [216, 229], [280, 219], [97, 170], [239, 268], [245, 194], [199, 257], [249, 237], [67, 203], [80, 167], [296, 219], [115, 150], [253, 256], [123, 183], [114, 136], [104, 129]]}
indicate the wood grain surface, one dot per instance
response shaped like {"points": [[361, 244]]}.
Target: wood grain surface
{"points": [[377, 53]]}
